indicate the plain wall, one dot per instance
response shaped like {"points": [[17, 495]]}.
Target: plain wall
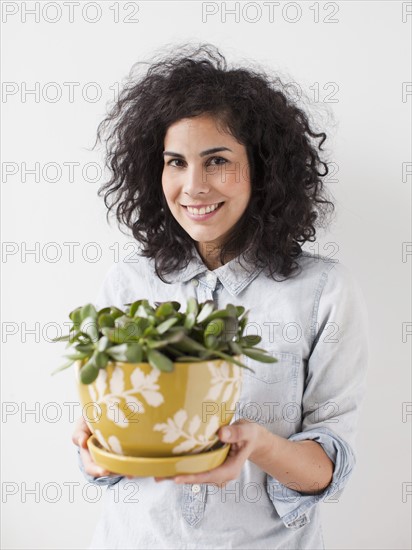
{"points": [[356, 70]]}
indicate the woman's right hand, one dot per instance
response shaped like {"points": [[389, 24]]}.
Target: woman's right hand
{"points": [[79, 437]]}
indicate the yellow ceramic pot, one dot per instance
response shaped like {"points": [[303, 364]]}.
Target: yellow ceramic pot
{"points": [[135, 410]]}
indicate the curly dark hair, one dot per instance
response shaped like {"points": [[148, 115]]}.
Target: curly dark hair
{"points": [[288, 194]]}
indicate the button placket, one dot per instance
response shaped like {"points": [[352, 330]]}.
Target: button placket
{"points": [[193, 503]]}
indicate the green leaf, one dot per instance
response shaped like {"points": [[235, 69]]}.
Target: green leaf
{"points": [[206, 310], [103, 343], [210, 341], [251, 340], [231, 359], [230, 308], [89, 327], [116, 312], [61, 338], [235, 348], [192, 306], [259, 356], [230, 329], [115, 335], [77, 356], [156, 344], [159, 361], [163, 327], [134, 353], [65, 366], [84, 348], [150, 331], [88, 311], [101, 359], [165, 309], [188, 345], [190, 321], [134, 330], [218, 314], [76, 316], [118, 353], [88, 373], [215, 327], [106, 320], [188, 358], [133, 307]]}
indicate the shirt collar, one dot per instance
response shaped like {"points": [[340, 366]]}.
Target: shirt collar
{"points": [[235, 275]]}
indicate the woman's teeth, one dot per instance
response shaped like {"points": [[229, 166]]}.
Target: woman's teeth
{"points": [[201, 211]]}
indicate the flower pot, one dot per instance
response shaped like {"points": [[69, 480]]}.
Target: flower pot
{"points": [[154, 423]]}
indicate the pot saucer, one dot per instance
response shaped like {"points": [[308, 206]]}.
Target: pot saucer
{"points": [[159, 466]]}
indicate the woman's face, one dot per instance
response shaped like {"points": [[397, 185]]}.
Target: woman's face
{"points": [[205, 180]]}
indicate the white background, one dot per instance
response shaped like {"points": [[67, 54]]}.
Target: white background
{"points": [[365, 55]]}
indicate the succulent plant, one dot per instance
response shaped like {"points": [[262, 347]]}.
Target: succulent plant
{"points": [[159, 335]]}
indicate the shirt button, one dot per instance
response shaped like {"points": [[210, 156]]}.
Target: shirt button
{"points": [[196, 488], [210, 278], [195, 282]]}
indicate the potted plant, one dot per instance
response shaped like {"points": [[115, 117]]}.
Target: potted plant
{"points": [[156, 383]]}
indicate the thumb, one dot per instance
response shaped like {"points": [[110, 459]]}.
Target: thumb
{"points": [[82, 441], [238, 431], [228, 434]]}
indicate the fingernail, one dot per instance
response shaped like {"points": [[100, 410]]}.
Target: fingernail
{"points": [[225, 433]]}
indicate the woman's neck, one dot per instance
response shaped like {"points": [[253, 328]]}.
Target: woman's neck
{"points": [[210, 255]]}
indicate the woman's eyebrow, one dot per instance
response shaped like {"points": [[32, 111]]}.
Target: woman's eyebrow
{"points": [[202, 154]]}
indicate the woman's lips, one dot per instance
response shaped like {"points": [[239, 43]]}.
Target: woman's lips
{"points": [[202, 217]]}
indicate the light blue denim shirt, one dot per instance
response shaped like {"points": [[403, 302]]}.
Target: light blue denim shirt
{"points": [[316, 326]]}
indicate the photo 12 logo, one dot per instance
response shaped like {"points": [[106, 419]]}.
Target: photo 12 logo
{"points": [[70, 12]]}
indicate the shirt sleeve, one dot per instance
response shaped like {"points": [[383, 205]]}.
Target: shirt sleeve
{"points": [[108, 295], [109, 290], [102, 480], [334, 389]]}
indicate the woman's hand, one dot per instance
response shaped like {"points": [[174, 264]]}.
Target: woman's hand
{"points": [[79, 437], [243, 437]]}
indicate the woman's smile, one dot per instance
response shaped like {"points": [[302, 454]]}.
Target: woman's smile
{"points": [[200, 213]]}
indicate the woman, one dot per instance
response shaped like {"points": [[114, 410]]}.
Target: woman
{"points": [[218, 175]]}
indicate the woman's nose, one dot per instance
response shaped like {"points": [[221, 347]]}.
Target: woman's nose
{"points": [[196, 181]]}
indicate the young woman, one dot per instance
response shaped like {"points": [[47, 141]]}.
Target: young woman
{"points": [[218, 175]]}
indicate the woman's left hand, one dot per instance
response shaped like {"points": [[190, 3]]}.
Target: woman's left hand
{"points": [[243, 437]]}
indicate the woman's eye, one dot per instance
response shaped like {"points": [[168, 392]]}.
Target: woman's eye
{"points": [[174, 160], [214, 161], [217, 159]]}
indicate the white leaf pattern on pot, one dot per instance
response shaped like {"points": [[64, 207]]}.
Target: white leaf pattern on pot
{"points": [[112, 444], [224, 369], [153, 398], [194, 424], [221, 381], [174, 429], [145, 385], [101, 383], [117, 381], [92, 392], [135, 405], [212, 427], [227, 393], [180, 418], [171, 434], [115, 414], [185, 446], [214, 392]]}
